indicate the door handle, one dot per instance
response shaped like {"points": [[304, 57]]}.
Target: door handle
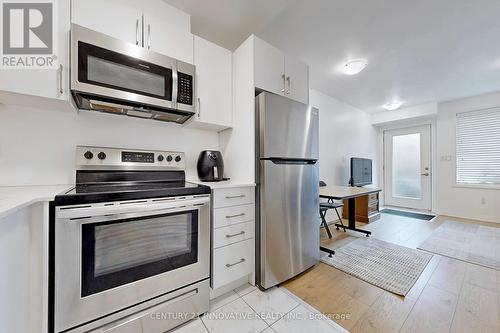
{"points": [[237, 215], [137, 32], [425, 174], [235, 196], [283, 78], [236, 263], [234, 235], [149, 36], [60, 70], [289, 85]]}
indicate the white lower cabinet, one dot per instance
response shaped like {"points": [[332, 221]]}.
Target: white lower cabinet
{"points": [[233, 234], [232, 262]]}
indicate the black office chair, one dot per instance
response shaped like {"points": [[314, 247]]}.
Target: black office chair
{"points": [[324, 207]]}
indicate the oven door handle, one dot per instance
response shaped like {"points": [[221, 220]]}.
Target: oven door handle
{"points": [[125, 208]]}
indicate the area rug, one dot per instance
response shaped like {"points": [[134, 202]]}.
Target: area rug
{"points": [[388, 266], [472, 243], [418, 216]]}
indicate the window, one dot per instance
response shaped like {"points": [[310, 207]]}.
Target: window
{"points": [[478, 147]]}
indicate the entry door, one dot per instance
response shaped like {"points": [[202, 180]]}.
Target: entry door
{"points": [[407, 167]]}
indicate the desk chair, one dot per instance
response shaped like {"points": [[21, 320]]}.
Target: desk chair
{"points": [[324, 207]]}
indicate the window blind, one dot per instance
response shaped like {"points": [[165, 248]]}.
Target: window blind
{"points": [[478, 147]]}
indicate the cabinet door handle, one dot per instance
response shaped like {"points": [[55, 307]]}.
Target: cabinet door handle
{"points": [[283, 78], [234, 235], [235, 196], [137, 32], [242, 260], [142, 30], [199, 107], [289, 85], [149, 36], [60, 76], [237, 215]]}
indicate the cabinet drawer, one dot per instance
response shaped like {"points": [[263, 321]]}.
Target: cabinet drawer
{"points": [[225, 197], [224, 217], [233, 234], [372, 209], [232, 262], [373, 196]]}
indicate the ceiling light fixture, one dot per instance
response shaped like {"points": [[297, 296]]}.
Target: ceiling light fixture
{"points": [[353, 67], [391, 106]]}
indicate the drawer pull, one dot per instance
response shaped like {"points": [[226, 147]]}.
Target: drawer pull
{"points": [[235, 196], [234, 235], [237, 215], [242, 260]]}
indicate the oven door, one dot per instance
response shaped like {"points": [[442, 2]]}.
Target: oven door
{"points": [[111, 256], [117, 70]]}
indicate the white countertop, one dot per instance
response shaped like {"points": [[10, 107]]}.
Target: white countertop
{"points": [[222, 184], [14, 198]]}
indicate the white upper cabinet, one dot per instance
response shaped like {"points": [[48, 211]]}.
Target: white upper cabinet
{"points": [[279, 73], [117, 18], [151, 24], [269, 65], [49, 83], [213, 85], [167, 30], [296, 80]]}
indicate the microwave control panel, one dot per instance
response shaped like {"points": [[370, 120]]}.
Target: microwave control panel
{"points": [[184, 89]]}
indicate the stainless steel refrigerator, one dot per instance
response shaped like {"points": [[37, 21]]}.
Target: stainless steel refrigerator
{"points": [[287, 193]]}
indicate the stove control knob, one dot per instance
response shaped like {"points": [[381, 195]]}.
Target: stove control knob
{"points": [[101, 155], [169, 158], [177, 158], [160, 158], [88, 155]]}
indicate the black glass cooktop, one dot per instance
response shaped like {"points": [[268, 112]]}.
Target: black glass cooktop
{"points": [[117, 191], [126, 187]]}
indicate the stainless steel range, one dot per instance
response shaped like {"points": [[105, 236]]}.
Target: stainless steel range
{"points": [[131, 245]]}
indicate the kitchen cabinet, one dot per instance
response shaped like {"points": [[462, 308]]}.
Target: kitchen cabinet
{"points": [[297, 80], [213, 85], [152, 24], [24, 256], [50, 83], [233, 234], [279, 73]]}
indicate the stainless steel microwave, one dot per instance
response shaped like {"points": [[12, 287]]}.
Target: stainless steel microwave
{"points": [[111, 75]]}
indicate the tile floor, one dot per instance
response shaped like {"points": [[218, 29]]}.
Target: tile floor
{"points": [[248, 309]]}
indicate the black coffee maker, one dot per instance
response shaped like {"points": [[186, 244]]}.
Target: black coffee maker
{"points": [[211, 166]]}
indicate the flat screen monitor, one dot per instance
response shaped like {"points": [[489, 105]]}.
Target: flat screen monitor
{"points": [[361, 171]]}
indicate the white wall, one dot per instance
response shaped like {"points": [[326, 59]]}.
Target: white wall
{"points": [[344, 132], [462, 201], [37, 146]]}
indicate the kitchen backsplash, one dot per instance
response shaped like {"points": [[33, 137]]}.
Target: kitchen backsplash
{"points": [[37, 147]]}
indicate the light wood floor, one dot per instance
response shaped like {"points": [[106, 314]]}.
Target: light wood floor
{"points": [[449, 296]]}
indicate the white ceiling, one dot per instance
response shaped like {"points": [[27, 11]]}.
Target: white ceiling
{"points": [[229, 22], [418, 51]]}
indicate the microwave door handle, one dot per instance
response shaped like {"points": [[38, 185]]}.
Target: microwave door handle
{"points": [[175, 79]]}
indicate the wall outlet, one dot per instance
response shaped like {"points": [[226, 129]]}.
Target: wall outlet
{"points": [[483, 201]]}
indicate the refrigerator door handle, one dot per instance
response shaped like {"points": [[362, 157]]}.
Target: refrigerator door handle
{"points": [[297, 161]]}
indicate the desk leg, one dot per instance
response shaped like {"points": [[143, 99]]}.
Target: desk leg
{"points": [[352, 219], [327, 250]]}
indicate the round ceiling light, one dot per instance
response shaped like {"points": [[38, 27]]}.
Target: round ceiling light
{"points": [[391, 106], [353, 67]]}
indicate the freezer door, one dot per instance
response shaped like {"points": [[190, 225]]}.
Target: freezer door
{"points": [[286, 128], [288, 221]]}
